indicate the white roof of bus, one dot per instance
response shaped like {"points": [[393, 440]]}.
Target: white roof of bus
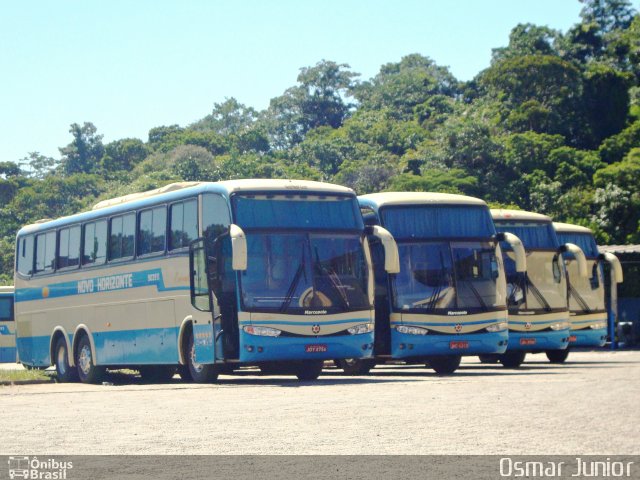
{"points": [[231, 186], [6, 289], [570, 228], [412, 198], [504, 214]]}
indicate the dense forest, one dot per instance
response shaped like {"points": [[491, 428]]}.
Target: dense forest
{"points": [[552, 125]]}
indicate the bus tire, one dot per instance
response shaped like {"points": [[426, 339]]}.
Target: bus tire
{"points": [[557, 356], [157, 373], [65, 372], [512, 359], [200, 373], [309, 370], [489, 358], [444, 364], [88, 372], [355, 366]]}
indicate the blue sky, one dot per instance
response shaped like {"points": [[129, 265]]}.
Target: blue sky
{"points": [[128, 66]]}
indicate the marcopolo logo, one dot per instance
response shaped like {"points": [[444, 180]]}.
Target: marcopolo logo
{"points": [[34, 468]]}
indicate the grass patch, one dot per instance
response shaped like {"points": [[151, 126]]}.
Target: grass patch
{"points": [[24, 376]]}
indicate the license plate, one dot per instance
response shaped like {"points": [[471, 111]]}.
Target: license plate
{"points": [[458, 345], [315, 348], [573, 338], [527, 341]]}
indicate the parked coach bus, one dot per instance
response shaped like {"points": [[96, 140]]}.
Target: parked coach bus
{"points": [[537, 298], [7, 326], [204, 276], [449, 297], [586, 294]]}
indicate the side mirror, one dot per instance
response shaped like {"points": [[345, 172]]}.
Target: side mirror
{"points": [[238, 247], [580, 258], [518, 249], [616, 267], [391, 256]]}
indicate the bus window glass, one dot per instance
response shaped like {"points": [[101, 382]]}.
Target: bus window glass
{"points": [[215, 215], [45, 252], [153, 224], [121, 239], [95, 243], [25, 255], [6, 308], [69, 247], [184, 224]]}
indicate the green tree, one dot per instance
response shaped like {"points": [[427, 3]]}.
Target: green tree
{"points": [[454, 180], [84, 153], [228, 118]]}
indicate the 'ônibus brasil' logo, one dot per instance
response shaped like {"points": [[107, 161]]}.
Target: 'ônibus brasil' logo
{"points": [[25, 467], [315, 328]]}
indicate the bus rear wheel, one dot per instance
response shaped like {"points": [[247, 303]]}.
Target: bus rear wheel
{"points": [[512, 359], [557, 356], [355, 366], [444, 364], [87, 369], [157, 373], [199, 372], [64, 371], [309, 370]]}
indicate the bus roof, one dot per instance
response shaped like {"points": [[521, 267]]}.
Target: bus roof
{"points": [[571, 228], [507, 215], [419, 198], [176, 191]]}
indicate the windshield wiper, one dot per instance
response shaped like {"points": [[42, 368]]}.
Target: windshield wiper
{"points": [[581, 301], [538, 294], [334, 280], [294, 284], [476, 294], [435, 296]]}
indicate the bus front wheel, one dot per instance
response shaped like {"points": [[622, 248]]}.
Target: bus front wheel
{"points": [[557, 356], [87, 369], [355, 366], [309, 370], [64, 371], [444, 364], [512, 359], [199, 372]]}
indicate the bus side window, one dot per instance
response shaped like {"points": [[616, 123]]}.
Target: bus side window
{"points": [[6, 308], [69, 247], [121, 237], [183, 224], [152, 229], [369, 216], [45, 252], [215, 215], [95, 243], [25, 255]]}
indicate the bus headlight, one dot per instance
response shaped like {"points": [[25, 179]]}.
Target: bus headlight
{"points": [[497, 327], [411, 330], [262, 331], [362, 328], [598, 326], [559, 326]]}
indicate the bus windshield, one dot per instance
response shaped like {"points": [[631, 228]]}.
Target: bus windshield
{"points": [[302, 272], [534, 235], [447, 275]]}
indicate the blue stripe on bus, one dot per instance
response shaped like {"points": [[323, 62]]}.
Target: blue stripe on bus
{"points": [[538, 322], [453, 324], [106, 283], [7, 354], [4, 330]]}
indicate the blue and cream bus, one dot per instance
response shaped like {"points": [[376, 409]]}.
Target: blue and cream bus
{"points": [[7, 326], [586, 294], [199, 276], [448, 296], [537, 298]]}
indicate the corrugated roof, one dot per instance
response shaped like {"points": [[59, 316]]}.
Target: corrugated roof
{"points": [[619, 249]]}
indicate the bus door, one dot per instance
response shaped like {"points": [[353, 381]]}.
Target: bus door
{"points": [[206, 319]]}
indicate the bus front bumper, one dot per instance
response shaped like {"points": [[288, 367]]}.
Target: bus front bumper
{"points": [[588, 337], [256, 349], [538, 341], [406, 345]]}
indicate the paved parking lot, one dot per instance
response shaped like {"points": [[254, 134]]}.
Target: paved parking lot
{"points": [[587, 406]]}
